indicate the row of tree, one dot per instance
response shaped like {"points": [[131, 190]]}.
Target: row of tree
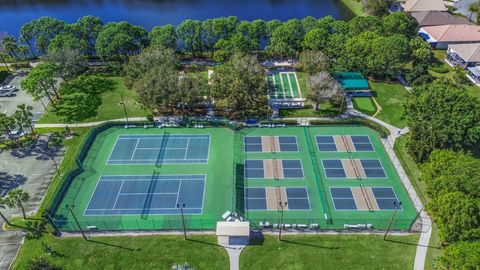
{"points": [[453, 180], [238, 85], [444, 123], [376, 46]]}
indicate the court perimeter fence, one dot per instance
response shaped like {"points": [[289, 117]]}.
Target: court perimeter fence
{"points": [[204, 224], [60, 217]]}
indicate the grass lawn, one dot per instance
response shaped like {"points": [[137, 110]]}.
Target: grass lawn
{"points": [[146, 252], [390, 96], [414, 174], [440, 55], [355, 6], [365, 105], [111, 107], [331, 252]]}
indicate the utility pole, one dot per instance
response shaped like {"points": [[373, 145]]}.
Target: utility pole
{"points": [[282, 206], [76, 221], [183, 220], [124, 108], [391, 219]]}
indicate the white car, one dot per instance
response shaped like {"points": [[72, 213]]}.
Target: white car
{"points": [[6, 93], [8, 87]]}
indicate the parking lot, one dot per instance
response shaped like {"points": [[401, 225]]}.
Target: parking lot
{"points": [[8, 105], [32, 170]]}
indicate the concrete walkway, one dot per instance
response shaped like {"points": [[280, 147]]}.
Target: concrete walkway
{"points": [[425, 221], [234, 256], [91, 124]]}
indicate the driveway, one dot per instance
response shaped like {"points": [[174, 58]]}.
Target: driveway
{"points": [[462, 7], [8, 105], [31, 169]]}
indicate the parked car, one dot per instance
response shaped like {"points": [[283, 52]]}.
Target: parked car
{"points": [[8, 87], [7, 94]]}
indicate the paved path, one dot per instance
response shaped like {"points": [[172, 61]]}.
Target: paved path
{"points": [[426, 223], [234, 256], [90, 124]]}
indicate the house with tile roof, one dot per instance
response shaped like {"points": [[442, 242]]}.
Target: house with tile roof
{"points": [[423, 5], [463, 55], [432, 18], [441, 36]]}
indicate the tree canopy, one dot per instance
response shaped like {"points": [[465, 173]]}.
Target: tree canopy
{"points": [[441, 115], [240, 85]]}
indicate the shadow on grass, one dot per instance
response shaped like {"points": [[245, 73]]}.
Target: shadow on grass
{"points": [[309, 245], [411, 244], [203, 242]]}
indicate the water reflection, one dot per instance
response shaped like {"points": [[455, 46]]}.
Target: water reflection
{"points": [[148, 13]]}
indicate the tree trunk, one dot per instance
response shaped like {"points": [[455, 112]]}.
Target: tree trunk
{"points": [[29, 122], [5, 62], [23, 209], [316, 106], [49, 98], [31, 48], [5, 219], [55, 91]]}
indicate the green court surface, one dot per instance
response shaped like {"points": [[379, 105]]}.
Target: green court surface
{"points": [[217, 193], [133, 179], [322, 209], [283, 85]]}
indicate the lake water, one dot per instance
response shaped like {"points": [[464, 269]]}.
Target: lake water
{"points": [[148, 13]]}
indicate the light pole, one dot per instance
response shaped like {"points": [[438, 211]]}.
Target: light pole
{"points": [[183, 220], [124, 108], [282, 206], [391, 219], [76, 221]]}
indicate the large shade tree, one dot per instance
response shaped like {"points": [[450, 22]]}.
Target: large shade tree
{"points": [[119, 40], [323, 88], [153, 74], [41, 82], [239, 85]]}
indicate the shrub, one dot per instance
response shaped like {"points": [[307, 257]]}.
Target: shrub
{"points": [[439, 69]]}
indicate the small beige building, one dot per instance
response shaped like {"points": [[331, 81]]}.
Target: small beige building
{"points": [[233, 232]]}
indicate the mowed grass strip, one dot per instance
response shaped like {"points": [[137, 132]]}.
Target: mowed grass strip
{"points": [[145, 252], [331, 252], [365, 104]]}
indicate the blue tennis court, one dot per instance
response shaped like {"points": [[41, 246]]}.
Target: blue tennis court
{"points": [[147, 194], [269, 169], [267, 198], [160, 149]]}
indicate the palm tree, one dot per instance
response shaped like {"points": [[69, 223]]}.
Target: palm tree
{"points": [[473, 8], [16, 198], [24, 116], [7, 124], [3, 205]]}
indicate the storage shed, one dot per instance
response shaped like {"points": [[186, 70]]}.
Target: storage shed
{"points": [[233, 232]]}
